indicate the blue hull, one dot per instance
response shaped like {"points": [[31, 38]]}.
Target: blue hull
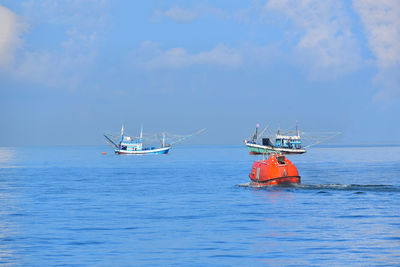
{"points": [[161, 150]]}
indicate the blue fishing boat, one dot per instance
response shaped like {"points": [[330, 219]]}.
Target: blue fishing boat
{"points": [[135, 145]]}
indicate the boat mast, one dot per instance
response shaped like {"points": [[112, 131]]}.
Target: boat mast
{"points": [[297, 129], [262, 132], [255, 134], [141, 133], [122, 134], [163, 140]]}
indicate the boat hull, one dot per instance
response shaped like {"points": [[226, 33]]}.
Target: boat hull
{"points": [[276, 170], [162, 150], [285, 180], [255, 149]]}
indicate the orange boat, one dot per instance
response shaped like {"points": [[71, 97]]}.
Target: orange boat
{"points": [[275, 170]]}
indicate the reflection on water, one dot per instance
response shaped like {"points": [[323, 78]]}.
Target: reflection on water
{"points": [[7, 255], [8, 206], [7, 157], [7, 225], [272, 194]]}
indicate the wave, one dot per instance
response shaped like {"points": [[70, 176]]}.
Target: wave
{"points": [[331, 187]]}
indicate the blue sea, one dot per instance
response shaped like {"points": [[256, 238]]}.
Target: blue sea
{"points": [[193, 207]]}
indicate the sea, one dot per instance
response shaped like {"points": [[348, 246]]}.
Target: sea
{"points": [[74, 206]]}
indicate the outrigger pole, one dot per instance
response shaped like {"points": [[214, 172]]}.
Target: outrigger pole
{"points": [[322, 140], [262, 132], [110, 141], [187, 136], [255, 134]]}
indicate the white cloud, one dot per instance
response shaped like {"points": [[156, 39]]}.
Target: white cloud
{"points": [[177, 14], [150, 56], [381, 20], [11, 27], [65, 64], [325, 42], [55, 70]]}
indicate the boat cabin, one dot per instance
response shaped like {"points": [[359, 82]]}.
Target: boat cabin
{"points": [[130, 145], [287, 141]]}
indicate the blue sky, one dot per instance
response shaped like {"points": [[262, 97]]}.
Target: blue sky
{"points": [[71, 70]]}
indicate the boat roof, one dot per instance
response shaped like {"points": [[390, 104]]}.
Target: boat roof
{"points": [[296, 137]]}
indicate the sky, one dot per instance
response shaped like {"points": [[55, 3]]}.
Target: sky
{"points": [[72, 70]]}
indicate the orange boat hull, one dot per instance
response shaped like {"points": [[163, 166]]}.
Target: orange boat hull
{"points": [[276, 170], [278, 181]]}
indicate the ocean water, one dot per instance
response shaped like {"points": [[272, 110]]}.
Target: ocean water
{"points": [[74, 206]]}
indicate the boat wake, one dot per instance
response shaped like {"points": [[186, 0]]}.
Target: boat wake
{"points": [[329, 187], [351, 187]]}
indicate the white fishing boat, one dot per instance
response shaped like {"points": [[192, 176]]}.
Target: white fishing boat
{"points": [[286, 142]]}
